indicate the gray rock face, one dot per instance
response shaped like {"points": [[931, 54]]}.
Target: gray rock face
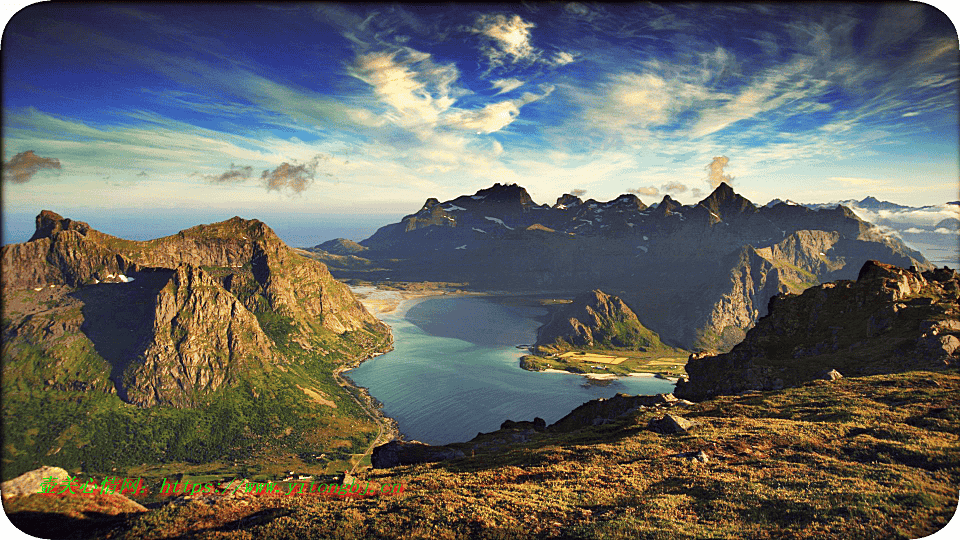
{"points": [[203, 339]]}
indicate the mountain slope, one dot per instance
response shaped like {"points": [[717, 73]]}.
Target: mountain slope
{"points": [[595, 320]]}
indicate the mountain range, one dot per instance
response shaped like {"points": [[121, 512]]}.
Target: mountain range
{"points": [[698, 275]]}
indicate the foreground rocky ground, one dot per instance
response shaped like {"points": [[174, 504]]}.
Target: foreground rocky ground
{"points": [[865, 457]]}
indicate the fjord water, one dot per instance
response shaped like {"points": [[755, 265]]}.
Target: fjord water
{"points": [[454, 371]]}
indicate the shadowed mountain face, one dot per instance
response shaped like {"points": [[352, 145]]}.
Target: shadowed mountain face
{"points": [[699, 276], [118, 319]]}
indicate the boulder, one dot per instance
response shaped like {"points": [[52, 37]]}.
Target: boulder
{"points": [[29, 482], [829, 375], [670, 424], [538, 424]]}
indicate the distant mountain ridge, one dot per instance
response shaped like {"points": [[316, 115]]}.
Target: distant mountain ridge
{"points": [[697, 275]]}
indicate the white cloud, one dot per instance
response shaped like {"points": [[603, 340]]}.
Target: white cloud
{"points": [[510, 39], [563, 58], [648, 191], [415, 88], [495, 116], [506, 85]]}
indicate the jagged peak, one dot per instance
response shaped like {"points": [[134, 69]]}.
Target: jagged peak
{"points": [[668, 204], [506, 192], [50, 222], [568, 201], [629, 199], [724, 201]]}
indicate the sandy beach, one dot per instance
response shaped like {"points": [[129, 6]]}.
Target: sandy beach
{"points": [[380, 302]]}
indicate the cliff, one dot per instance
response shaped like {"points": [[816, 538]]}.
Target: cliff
{"points": [[889, 320], [203, 339]]}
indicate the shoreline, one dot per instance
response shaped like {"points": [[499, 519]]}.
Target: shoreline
{"points": [[608, 376]]}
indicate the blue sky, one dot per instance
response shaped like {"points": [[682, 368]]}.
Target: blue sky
{"points": [[312, 111]]}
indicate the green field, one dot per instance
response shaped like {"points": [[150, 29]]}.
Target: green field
{"points": [[669, 363]]}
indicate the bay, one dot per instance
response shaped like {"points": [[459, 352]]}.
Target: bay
{"points": [[454, 371]]}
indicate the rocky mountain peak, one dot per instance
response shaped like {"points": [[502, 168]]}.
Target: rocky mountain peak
{"points": [[726, 203], [49, 222], [667, 206], [629, 200], [510, 194], [595, 319], [568, 201], [431, 202]]}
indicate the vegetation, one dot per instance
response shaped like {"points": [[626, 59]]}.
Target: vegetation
{"points": [[668, 362], [871, 457]]}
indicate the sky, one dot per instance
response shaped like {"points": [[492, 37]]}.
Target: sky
{"points": [[333, 119]]}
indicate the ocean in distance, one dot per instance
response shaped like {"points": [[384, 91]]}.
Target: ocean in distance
{"points": [[454, 371]]}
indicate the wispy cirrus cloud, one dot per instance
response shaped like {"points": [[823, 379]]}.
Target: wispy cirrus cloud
{"points": [[416, 89], [495, 116], [506, 85]]}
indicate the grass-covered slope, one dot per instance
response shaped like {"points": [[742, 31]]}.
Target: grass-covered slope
{"points": [[870, 457]]}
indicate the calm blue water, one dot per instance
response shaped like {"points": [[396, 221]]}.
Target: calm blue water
{"points": [[454, 371]]}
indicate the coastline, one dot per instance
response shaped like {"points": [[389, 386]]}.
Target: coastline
{"points": [[608, 376], [378, 302]]}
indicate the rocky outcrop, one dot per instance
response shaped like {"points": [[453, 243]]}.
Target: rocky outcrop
{"points": [[671, 424], [396, 453], [33, 481], [203, 339], [595, 319], [66, 257], [889, 320]]}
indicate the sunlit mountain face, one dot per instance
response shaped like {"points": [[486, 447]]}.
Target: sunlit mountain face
{"points": [[335, 109]]}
